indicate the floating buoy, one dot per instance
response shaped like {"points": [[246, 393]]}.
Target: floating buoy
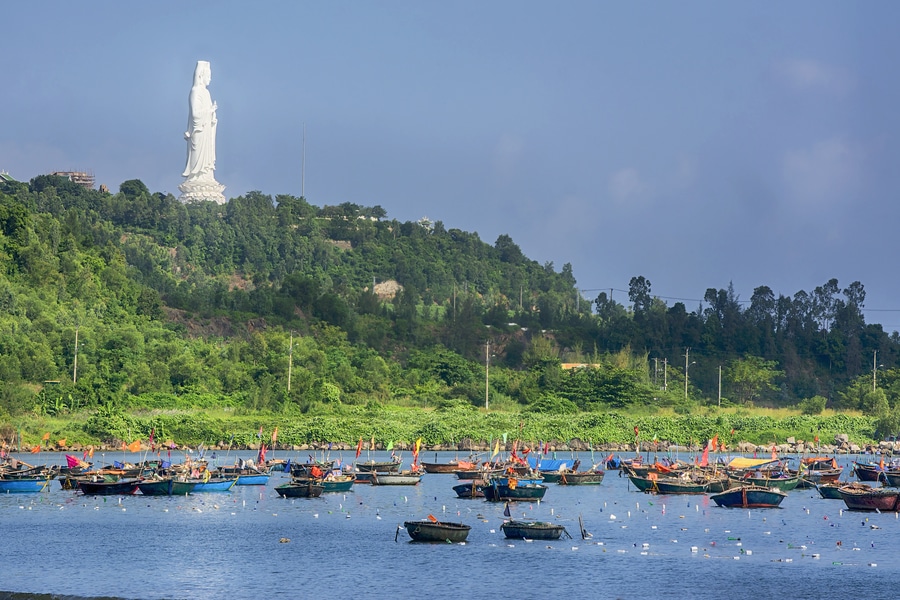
{"points": [[284, 540]]}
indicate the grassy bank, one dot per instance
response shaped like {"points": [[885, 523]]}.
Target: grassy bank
{"points": [[346, 425]]}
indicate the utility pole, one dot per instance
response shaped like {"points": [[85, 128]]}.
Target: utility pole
{"points": [[874, 368], [290, 361], [687, 355], [487, 368], [75, 365], [720, 386], [666, 374]]}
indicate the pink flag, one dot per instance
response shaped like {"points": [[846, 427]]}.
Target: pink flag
{"points": [[71, 461]]}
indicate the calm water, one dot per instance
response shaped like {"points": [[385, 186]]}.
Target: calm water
{"points": [[342, 545]]}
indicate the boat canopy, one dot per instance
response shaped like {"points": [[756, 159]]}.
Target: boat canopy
{"points": [[549, 464], [749, 463]]}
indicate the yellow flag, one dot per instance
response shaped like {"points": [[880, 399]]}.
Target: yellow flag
{"points": [[496, 449], [134, 446]]}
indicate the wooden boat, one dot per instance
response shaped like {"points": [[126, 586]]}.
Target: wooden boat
{"points": [[530, 492], [22, 485], [880, 499], [749, 496], [829, 491], [581, 477], [405, 478], [868, 472], [215, 484], [533, 530], [448, 467], [468, 490], [437, 531], [818, 469], [679, 485], [891, 478], [364, 477], [166, 487], [299, 490], [125, 487], [770, 479], [478, 474], [341, 483], [379, 467]]}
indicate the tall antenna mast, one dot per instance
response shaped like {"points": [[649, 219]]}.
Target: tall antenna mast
{"points": [[303, 166]]}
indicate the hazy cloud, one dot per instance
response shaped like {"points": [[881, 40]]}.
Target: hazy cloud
{"points": [[507, 153], [804, 74], [825, 174], [627, 187]]}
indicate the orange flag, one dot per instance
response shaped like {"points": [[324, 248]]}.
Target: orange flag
{"points": [[275, 435], [91, 452], [774, 453], [432, 518], [35, 449], [134, 446], [61, 442], [359, 448], [46, 436]]}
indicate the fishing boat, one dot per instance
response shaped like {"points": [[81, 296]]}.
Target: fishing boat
{"points": [[404, 478], [166, 487], [818, 469], [782, 480], [390, 466], [749, 496], [880, 499], [427, 530], [215, 484], [829, 491], [331, 483], [581, 478], [533, 530], [679, 485], [891, 478], [20, 485], [468, 490], [868, 471], [529, 492], [125, 487], [448, 467], [299, 490]]}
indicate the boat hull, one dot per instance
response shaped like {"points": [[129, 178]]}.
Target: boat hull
{"points": [[103, 488], [395, 479], [749, 497], [521, 493], [304, 490], [24, 485], [468, 490], [430, 531], [532, 530], [586, 478], [166, 487], [880, 499], [221, 484]]}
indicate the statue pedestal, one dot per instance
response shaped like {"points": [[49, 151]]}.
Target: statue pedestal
{"points": [[201, 191]]}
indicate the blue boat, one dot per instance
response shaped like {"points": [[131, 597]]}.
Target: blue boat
{"points": [[216, 484], [253, 479], [24, 485]]}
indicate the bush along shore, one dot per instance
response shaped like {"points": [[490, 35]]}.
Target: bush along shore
{"points": [[456, 429]]}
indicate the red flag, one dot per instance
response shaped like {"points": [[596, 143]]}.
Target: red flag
{"points": [[732, 433], [715, 442], [35, 449], [359, 448], [261, 458], [704, 460], [636, 431]]}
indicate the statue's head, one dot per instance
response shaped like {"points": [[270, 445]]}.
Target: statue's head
{"points": [[202, 73]]}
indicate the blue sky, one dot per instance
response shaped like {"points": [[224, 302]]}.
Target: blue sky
{"points": [[693, 143]]}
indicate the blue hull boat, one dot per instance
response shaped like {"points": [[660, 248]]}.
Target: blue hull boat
{"points": [[254, 479], [24, 485], [216, 485]]}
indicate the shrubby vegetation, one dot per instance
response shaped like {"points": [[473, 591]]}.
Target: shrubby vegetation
{"points": [[124, 311]]}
